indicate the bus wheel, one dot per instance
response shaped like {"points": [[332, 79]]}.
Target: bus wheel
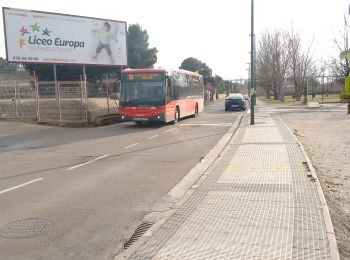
{"points": [[195, 111], [176, 116]]}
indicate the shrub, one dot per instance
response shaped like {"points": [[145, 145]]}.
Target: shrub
{"points": [[343, 96]]}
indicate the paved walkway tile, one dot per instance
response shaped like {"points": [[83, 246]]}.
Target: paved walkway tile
{"points": [[256, 203]]}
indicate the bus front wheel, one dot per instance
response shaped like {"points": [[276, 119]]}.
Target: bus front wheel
{"points": [[176, 116], [195, 111]]}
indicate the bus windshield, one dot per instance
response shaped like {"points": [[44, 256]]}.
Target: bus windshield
{"points": [[142, 93]]}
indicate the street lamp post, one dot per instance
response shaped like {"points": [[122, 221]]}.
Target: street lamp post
{"points": [[248, 79], [252, 65], [248, 83]]}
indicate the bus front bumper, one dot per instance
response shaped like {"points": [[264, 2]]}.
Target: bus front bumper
{"points": [[154, 118]]}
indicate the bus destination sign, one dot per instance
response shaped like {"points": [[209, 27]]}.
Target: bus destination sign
{"points": [[144, 76]]}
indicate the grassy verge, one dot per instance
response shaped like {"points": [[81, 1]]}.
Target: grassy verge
{"points": [[288, 100]]}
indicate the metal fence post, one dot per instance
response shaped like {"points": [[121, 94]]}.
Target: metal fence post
{"points": [[107, 86], [59, 102], [15, 94], [85, 95], [36, 91], [38, 98], [81, 90], [82, 99]]}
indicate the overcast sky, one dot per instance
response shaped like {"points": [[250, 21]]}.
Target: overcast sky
{"points": [[216, 32]]}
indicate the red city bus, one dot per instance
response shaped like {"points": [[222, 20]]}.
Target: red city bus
{"points": [[160, 95]]}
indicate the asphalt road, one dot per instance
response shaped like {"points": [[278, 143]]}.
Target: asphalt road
{"points": [[80, 193]]}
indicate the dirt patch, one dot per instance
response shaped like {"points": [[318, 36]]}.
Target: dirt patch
{"points": [[326, 138], [98, 107]]}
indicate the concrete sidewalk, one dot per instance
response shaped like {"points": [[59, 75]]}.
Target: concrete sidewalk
{"points": [[259, 200]]}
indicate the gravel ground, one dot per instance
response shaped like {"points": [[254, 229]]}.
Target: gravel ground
{"points": [[326, 138]]}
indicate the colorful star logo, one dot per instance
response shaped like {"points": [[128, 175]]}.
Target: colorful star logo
{"points": [[23, 31], [21, 42], [47, 32], [35, 27]]}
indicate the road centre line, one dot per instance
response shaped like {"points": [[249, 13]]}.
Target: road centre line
{"points": [[21, 185], [88, 162], [132, 145], [152, 137], [167, 131]]}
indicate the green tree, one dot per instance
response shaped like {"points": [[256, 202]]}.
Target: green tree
{"points": [[193, 64], [6, 67], [139, 53], [205, 70], [219, 83]]}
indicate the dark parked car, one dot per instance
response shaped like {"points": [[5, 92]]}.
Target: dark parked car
{"points": [[235, 102]]}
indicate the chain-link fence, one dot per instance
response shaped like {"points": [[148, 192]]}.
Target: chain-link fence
{"points": [[17, 99], [103, 98], [65, 102]]}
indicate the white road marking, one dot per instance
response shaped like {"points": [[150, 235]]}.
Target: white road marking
{"points": [[152, 137], [219, 124], [6, 135], [82, 164], [132, 145], [21, 185], [167, 131]]}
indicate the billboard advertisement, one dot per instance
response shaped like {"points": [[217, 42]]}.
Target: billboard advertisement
{"points": [[41, 37]]}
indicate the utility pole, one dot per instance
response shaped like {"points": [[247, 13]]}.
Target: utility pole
{"points": [[252, 65]]}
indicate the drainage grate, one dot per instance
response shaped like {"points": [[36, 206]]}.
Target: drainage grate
{"points": [[25, 228], [140, 230]]}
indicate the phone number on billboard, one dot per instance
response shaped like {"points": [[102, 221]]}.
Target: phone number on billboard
{"points": [[17, 58]]}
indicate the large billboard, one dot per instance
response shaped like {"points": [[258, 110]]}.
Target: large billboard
{"points": [[41, 37]]}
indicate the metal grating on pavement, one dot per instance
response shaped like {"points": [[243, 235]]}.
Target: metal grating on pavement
{"points": [[256, 203]]}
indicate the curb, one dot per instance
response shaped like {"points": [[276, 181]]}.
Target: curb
{"points": [[182, 191], [328, 222]]}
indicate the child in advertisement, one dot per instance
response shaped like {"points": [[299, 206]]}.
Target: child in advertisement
{"points": [[105, 37]]}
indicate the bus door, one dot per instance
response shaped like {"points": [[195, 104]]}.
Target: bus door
{"points": [[170, 104]]}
